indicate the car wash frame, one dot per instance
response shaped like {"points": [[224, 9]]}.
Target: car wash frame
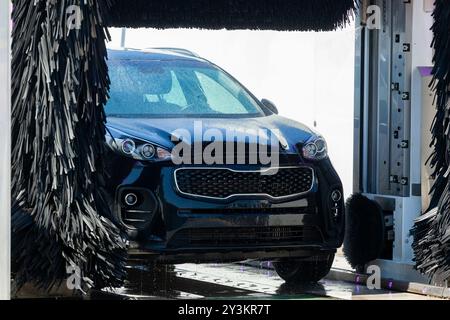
{"points": [[59, 84]]}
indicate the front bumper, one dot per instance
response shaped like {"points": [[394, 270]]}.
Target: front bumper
{"points": [[185, 229]]}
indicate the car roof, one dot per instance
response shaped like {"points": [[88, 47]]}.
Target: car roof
{"points": [[160, 54]]}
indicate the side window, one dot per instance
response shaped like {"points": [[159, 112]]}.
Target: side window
{"points": [[219, 98]]}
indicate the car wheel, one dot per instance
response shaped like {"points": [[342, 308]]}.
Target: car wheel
{"points": [[304, 271]]}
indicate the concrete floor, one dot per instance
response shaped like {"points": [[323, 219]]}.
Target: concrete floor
{"points": [[235, 281]]}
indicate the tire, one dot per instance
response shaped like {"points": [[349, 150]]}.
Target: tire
{"points": [[304, 271]]}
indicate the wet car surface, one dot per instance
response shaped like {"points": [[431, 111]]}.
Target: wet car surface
{"points": [[273, 195]]}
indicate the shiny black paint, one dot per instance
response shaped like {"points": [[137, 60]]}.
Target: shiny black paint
{"points": [[175, 212], [159, 130]]}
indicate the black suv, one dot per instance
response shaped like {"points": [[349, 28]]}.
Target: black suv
{"points": [[201, 170]]}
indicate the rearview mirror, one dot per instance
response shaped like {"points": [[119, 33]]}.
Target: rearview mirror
{"points": [[270, 106]]}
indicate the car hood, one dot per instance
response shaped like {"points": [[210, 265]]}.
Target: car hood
{"points": [[162, 130]]}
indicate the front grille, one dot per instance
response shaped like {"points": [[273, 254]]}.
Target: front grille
{"points": [[238, 237], [225, 183]]}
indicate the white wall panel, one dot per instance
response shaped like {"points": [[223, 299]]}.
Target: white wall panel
{"points": [[5, 150]]}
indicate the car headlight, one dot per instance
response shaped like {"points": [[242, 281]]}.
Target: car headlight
{"points": [[148, 151], [128, 146], [138, 149], [315, 149]]}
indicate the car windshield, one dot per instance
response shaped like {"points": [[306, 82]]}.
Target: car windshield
{"points": [[171, 88]]}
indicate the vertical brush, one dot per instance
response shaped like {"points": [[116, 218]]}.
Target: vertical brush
{"points": [[59, 87]]}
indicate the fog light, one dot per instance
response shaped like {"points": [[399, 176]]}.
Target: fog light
{"points": [[336, 195], [131, 199]]}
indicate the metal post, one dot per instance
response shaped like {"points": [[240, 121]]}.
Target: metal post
{"points": [[123, 37], [5, 151]]}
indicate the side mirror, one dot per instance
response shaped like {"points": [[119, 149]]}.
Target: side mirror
{"points": [[270, 106]]}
